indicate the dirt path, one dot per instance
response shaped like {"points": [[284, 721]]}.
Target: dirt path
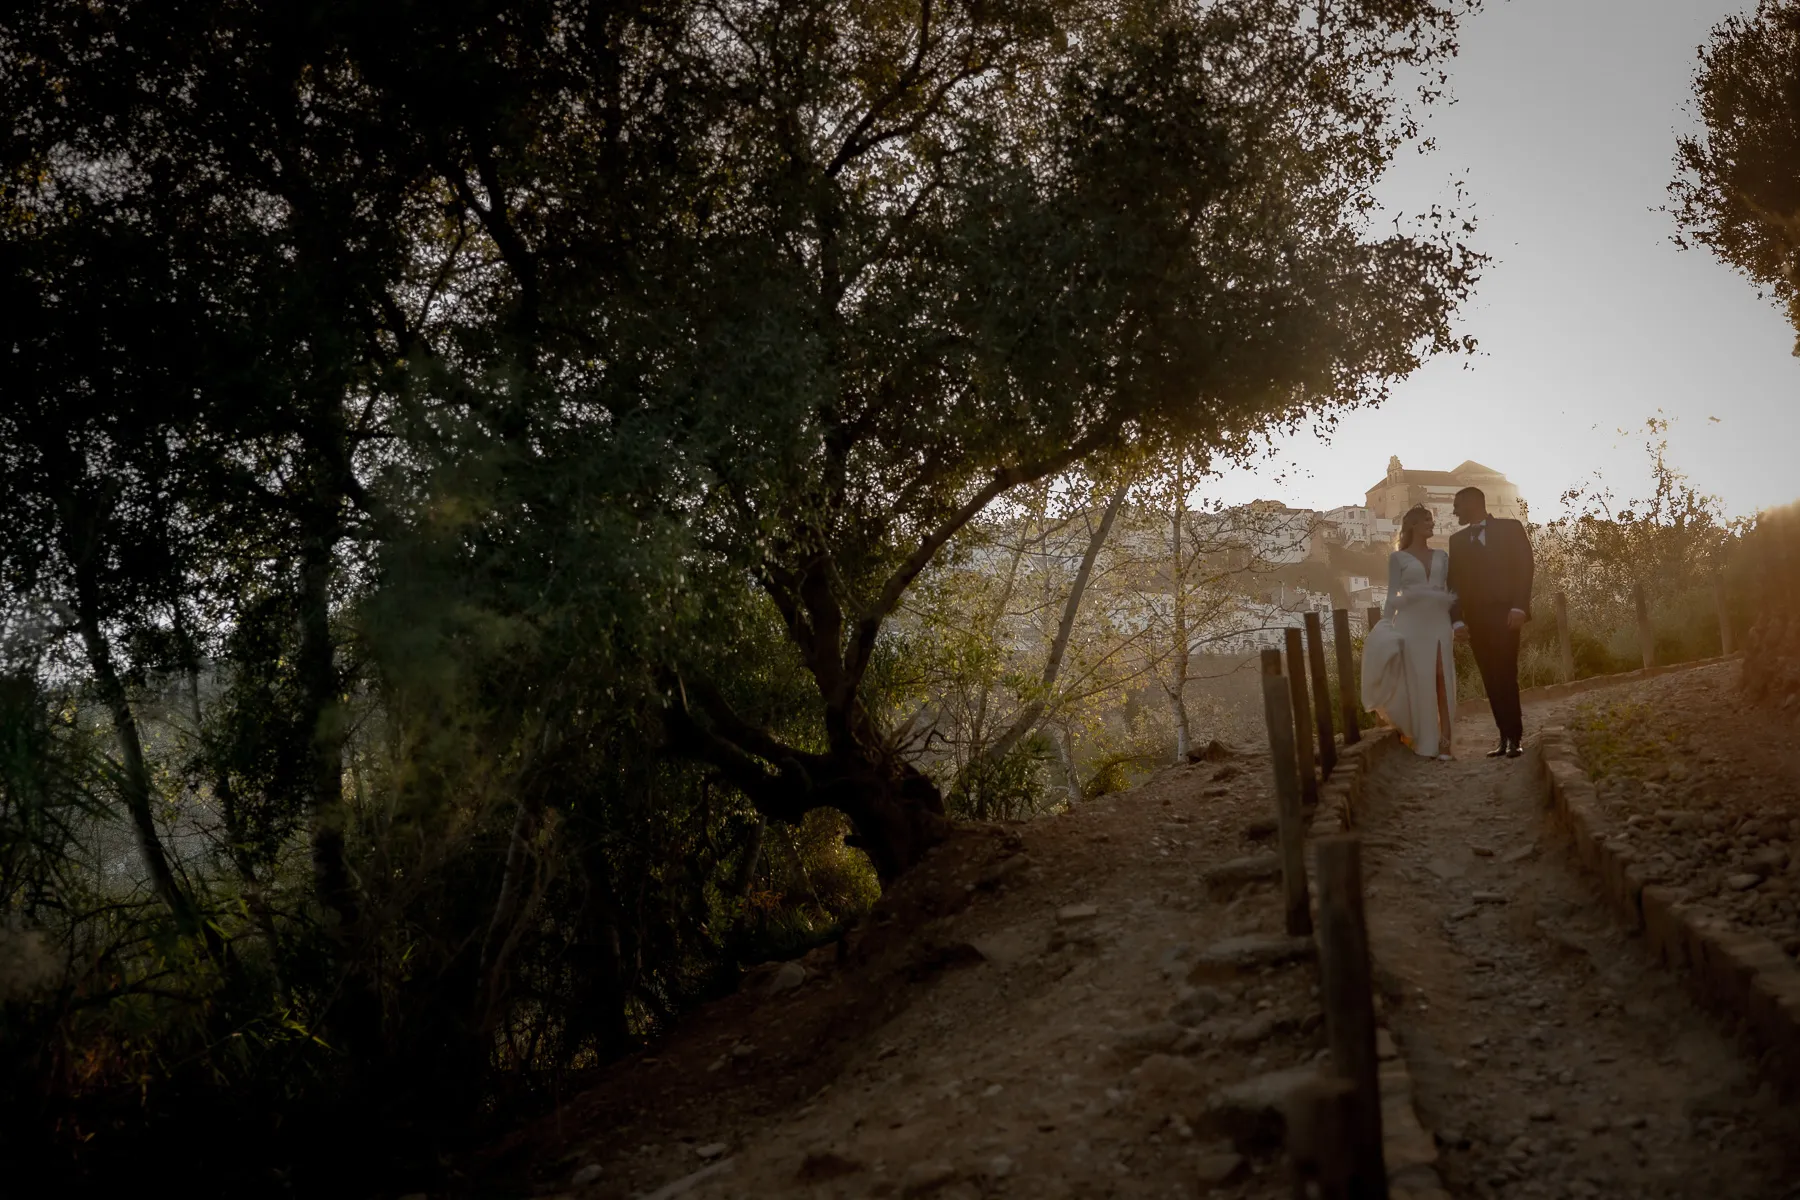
{"points": [[1030, 1015], [1549, 1055], [1045, 1034]]}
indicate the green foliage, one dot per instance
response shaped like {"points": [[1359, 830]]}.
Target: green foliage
{"points": [[468, 461], [1012, 787], [1738, 188], [1670, 542], [49, 780], [1620, 738], [1674, 543], [809, 888]]}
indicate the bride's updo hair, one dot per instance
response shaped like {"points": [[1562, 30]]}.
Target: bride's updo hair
{"points": [[1415, 516]]}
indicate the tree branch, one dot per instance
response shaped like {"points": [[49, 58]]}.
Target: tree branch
{"points": [[1029, 716], [868, 625], [494, 219], [734, 746], [852, 145]]}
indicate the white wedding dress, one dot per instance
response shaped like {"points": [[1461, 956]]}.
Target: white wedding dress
{"points": [[1400, 655]]}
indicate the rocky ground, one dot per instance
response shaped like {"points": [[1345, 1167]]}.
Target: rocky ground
{"points": [[1100, 1004], [1706, 788], [1072, 1021]]}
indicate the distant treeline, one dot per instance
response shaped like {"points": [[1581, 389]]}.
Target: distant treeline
{"points": [[1699, 572]]}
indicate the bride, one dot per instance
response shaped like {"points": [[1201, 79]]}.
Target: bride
{"points": [[1409, 658]]}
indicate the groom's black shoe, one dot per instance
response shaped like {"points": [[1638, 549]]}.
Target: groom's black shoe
{"points": [[1513, 749], [1501, 750]]}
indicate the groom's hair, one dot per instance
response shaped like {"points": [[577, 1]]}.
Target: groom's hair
{"points": [[1475, 492]]}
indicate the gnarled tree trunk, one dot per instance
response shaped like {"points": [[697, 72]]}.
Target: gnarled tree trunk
{"points": [[898, 813]]}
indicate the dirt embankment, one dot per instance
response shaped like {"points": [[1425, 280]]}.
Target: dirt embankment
{"points": [[1772, 662], [1039, 1012], [1024, 1015], [1704, 787]]}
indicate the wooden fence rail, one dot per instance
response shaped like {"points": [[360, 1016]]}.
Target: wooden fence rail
{"points": [[1346, 987], [1349, 687], [1278, 714], [1303, 724], [1321, 694]]}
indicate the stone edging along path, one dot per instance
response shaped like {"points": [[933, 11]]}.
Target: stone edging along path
{"points": [[1341, 795], [1744, 976]]}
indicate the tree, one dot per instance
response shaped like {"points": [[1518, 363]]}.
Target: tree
{"points": [[822, 282], [529, 420], [1738, 188], [1031, 712], [1673, 542], [1007, 246], [1197, 563], [91, 456], [214, 235], [1004, 638]]}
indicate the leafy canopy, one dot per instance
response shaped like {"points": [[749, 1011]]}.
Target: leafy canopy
{"points": [[1738, 188]]}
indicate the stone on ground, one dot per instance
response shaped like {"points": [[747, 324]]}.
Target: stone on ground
{"points": [[924, 1178], [1195, 1005], [787, 977], [1219, 1166], [687, 1183], [1248, 953], [1253, 1113], [1255, 868]]}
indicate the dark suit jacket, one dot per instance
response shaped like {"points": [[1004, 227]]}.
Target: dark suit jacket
{"points": [[1493, 578]]}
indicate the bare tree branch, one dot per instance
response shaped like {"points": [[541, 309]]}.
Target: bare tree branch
{"points": [[1033, 712]]}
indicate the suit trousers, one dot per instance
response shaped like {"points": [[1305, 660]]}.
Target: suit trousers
{"points": [[1497, 654]]}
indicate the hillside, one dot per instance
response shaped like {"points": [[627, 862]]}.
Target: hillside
{"points": [[1033, 1013]]}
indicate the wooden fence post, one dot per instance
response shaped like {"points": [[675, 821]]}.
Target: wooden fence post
{"points": [[1349, 686], [1271, 661], [1278, 713], [1374, 619], [1345, 987], [1565, 648], [1321, 688], [1303, 731], [1320, 1116], [1725, 642], [1646, 635]]}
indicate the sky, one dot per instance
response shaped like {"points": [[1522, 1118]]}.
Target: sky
{"points": [[1589, 318]]}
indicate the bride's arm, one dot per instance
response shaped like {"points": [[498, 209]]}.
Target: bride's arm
{"points": [[1395, 568]]}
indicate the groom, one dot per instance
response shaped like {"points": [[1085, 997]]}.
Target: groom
{"points": [[1490, 572]]}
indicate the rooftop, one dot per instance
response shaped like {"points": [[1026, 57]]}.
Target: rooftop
{"points": [[1464, 473]]}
